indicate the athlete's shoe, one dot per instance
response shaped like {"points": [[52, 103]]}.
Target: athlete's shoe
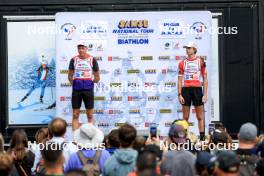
{"points": [[51, 106], [25, 97], [41, 99]]}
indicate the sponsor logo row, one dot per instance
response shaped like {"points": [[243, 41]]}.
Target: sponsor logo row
{"points": [[167, 98], [146, 124], [132, 71], [168, 28], [142, 58], [133, 85]]}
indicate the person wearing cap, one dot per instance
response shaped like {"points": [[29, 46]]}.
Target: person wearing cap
{"points": [[177, 137], [227, 164], [89, 139], [190, 90], [42, 71], [204, 164], [83, 73], [218, 140], [185, 124], [178, 134], [247, 149]]}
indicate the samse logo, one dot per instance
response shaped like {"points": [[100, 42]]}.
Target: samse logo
{"points": [[133, 24]]}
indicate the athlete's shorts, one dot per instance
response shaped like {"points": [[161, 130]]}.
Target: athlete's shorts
{"points": [[87, 96], [192, 95]]}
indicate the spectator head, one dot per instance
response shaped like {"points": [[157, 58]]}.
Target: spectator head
{"points": [[183, 163], [19, 143], [139, 143], [113, 139], [89, 136], [247, 135], [6, 164], [260, 168], [227, 164], [167, 163], [146, 161], [75, 172], [204, 164], [183, 123], [178, 163], [127, 135], [219, 136], [52, 155], [177, 134], [42, 135], [57, 127], [2, 142], [154, 149]]}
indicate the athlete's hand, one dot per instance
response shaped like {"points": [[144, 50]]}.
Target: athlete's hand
{"points": [[181, 99], [204, 99]]}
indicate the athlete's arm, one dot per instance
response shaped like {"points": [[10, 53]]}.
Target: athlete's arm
{"points": [[179, 84], [96, 77], [180, 75], [96, 71], [71, 71], [70, 75], [205, 81]]}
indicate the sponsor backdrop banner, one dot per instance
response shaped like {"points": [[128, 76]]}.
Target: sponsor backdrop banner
{"points": [[138, 55]]}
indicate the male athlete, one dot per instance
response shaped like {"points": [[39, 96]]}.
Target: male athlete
{"points": [[83, 73], [191, 70]]}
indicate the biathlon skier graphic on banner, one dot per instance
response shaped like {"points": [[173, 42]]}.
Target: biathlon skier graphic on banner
{"points": [[43, 73]]}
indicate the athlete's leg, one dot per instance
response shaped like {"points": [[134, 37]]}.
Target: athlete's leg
{"points": [[42, 85], [186, 112], [75, 119], [88, 98], [186, 94], [30, 91], [199, 109], [199, 114], [33, 88], [76, 105], [89, 114]]}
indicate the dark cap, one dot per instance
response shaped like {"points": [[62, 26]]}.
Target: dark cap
{"points": [[228, 161], [219, 136], [178, 134], [203, 159]]}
